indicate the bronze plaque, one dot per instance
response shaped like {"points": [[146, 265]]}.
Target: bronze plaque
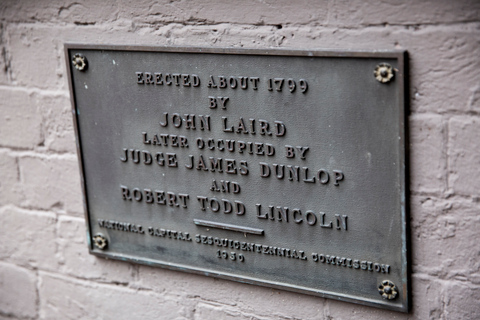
{"points": [[280, 168]]}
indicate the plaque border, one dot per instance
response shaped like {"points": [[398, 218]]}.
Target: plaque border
{"points": [[403, 98]]}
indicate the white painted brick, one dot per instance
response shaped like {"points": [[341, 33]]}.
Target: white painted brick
{"points": [[27, 237], [20, 120], [35, 59], [56, 11], [445, 237], [31, 120], [73, 252], [162, 12], [428, 296], [162, 280], [65, 298], [10, 191], [18, 292], [427, 303], [462, 301], [442, 73], [474, 101], [344, 311], [208, 311], [249, 299], [37, 51], [214, 12], [4, 57], [338, 13], [56, 111], [428, 160], [464, 155], [371, 12], [51, 183]]}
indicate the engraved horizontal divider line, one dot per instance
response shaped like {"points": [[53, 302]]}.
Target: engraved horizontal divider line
{"points": [[226, 226]]}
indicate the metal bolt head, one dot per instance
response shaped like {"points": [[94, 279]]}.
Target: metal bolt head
{"points": [[100, 241], [388, 290], [383, 72], [79, 62]]}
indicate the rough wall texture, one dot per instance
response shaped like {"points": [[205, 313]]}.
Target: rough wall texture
{"points": [[45, 269]]}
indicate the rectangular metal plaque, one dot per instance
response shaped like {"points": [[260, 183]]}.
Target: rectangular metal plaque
{"points": [[279, 168]]}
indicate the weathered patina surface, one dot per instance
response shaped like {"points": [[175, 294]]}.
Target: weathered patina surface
{"points": [[279, 168]]}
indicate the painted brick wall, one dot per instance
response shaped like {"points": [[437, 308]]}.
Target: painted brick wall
{"points": [[45, 269]]}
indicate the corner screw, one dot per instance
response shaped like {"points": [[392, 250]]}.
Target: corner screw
{"points": [[383, 72], [100, 241], [388, 290], [79, 62]]}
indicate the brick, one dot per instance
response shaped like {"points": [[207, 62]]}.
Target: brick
{"points": [[464, 155], [20, 120], [28, 237], [18, 292], [51, 183], [352, 14], [65, 298], [428, 296], [249, 299], [162, 280], [442, 84], [443, 235], [207, 311], [10, 191], [55, 11], [427, 303], [35, 60], [37, 52], [56, 111], [338, 13], [4, 58], [474, 101], [428, 160], [214, 12], [32, 120], [342, 311], [462, 301], [73, 252]]}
